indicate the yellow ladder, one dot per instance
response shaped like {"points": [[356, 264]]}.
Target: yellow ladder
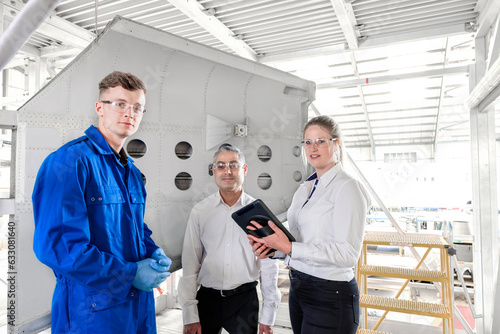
{"points": [[369, 331], [441, 310]]}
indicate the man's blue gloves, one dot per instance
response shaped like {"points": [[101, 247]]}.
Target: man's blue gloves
{"points": [[147, 278], [151, 272], [162, 261]]}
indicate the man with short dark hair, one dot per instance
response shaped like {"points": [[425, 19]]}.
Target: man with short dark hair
{"points": [[88, 203], [218, 259]]}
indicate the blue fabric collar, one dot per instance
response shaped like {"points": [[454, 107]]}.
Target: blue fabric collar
{"points": [[99, 142], [312, 177]]}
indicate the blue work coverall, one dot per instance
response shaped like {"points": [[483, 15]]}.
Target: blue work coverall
{"points": [[89, 230]]}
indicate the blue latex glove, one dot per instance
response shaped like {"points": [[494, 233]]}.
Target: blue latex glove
{"points": [[147, 278], [162, 263]]}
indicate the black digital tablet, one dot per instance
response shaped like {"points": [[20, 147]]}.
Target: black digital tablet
{"points": [[259, 212]]}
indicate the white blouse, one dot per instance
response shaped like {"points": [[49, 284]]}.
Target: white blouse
{"points": [[329, 228]]}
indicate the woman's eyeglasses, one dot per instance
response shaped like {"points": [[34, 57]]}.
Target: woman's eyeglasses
{"points": [[318, 142]]}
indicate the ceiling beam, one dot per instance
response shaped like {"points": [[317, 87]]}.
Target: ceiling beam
{"points": [[400, 132], [314, 109], [347, 21], [15, 62], [54, 51], [389, 78], [22, 27], [54, 27], [441, 101], [206, 19], [370, 43], [424, 34], [494, 47], [398, 119], [29, 50], [296, 55], [438, 117], [389, 126], [488, 12], [401, 143], [487, 89], [5, 101], [367, 120]]}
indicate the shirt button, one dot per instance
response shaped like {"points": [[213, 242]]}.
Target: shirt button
{"points": [[100, 198], [94, 305], [92, 199], [132, 294]]}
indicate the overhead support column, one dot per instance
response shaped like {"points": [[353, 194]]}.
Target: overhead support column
{"points": [[23, 26], [347, 21], [2, 76], [213, 25], [494, 44], [441, 101], [367, 121], [314, 109], [484, 197], [349, 25]]}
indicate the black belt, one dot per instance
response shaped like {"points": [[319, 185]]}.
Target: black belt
{"points": [[228, 293], [306, 277]]}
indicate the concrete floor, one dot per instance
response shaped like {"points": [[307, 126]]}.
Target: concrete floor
{"points": [[170, 322]]}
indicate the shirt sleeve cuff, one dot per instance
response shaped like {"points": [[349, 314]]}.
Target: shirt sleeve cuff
{"points": [[190, 314], [278, 255], [299, 250], [268, 315]]}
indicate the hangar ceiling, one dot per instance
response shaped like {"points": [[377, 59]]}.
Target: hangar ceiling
{"points": [[392, 72]]}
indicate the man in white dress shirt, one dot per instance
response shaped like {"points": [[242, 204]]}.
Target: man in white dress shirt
{"points": [[218, 259]]}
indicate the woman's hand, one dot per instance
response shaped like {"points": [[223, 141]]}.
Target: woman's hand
{"points": [[259, 249], [278, 240]]}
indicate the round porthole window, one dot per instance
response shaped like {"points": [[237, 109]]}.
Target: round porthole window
{"points": [[183, 150], [296, 151], [183, 181], [264, 153], [136, 148], [264, 181], [297, 176]]}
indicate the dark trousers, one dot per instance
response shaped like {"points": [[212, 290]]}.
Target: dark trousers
{"points": [[237, 314], [319, 306]]}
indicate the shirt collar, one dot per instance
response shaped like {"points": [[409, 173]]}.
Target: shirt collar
{"points": [[101, 144], [122, 156], [242, 200], [313, 176], [328, 176]]}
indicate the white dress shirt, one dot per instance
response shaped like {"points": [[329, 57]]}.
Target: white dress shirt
{"points": [[329, 228], [217, 254]]}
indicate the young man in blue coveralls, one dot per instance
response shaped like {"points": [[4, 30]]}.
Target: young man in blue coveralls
{"points": [[88, 203]]}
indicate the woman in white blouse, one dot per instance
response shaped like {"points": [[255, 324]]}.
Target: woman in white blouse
{"points": [[327, 218]]}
